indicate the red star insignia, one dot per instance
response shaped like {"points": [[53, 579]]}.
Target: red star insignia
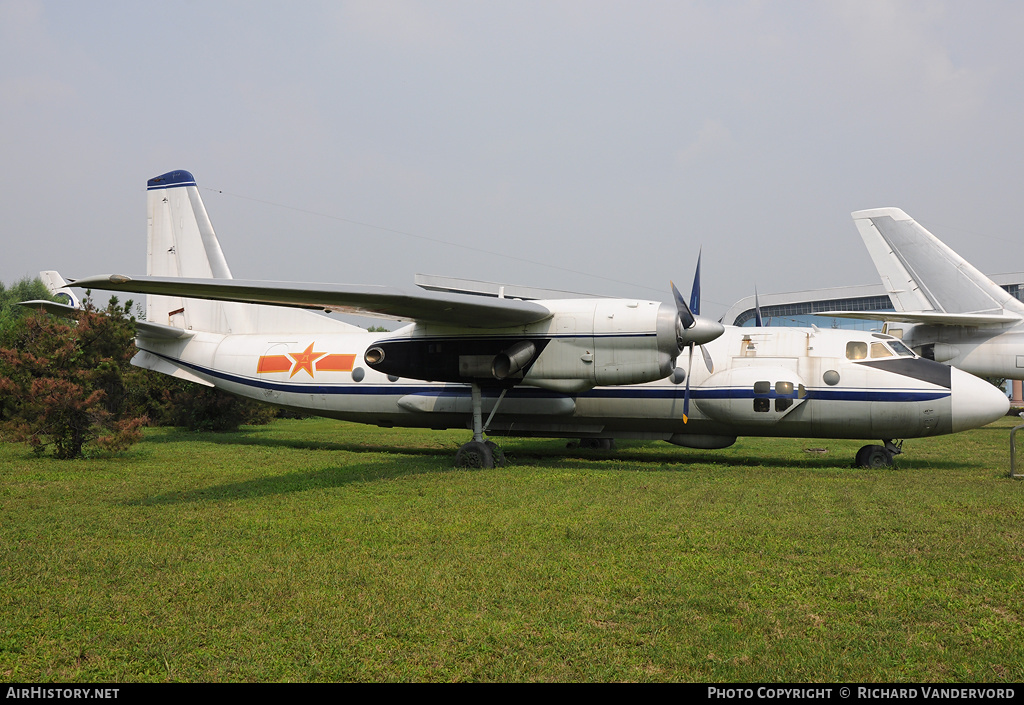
{"points": [[304, 360]]}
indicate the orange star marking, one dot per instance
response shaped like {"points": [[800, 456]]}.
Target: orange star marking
{"points": [[304, 360]]}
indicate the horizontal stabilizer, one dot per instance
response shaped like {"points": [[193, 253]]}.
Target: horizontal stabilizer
{"points": [[142, 328], [54, 308], [145, 329], [149, 361], [378, 301]]}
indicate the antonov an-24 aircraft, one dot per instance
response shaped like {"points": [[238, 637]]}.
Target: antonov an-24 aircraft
{"points": [[596, 369]]}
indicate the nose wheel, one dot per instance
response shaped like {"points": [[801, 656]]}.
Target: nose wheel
{"points": [[875, 456]]}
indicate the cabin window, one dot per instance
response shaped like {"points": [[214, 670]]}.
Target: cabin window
{"points": [[856, 350], [900, 349], [879, 350], [784, 392], [762, 403]]}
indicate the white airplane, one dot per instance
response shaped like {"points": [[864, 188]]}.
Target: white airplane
{"points": [[590, 368], [953, 313]]}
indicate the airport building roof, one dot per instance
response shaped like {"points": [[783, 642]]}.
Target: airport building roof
{"points": [[798, 308]]}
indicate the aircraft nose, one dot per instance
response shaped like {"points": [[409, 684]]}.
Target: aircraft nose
{"points": [[975, 402]]}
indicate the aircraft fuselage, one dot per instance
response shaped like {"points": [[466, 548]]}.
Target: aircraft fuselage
{"points": [[766, 382]]}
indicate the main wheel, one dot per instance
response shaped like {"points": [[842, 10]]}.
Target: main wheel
{"points": [[475, 454]]}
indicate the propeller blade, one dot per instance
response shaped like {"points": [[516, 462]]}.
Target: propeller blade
{"points": [[692, 330], [707, 359], [686, 392], [695, 291], [686, 316]]}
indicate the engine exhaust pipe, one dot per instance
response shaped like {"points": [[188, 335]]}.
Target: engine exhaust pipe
{"points": [[510, 361]]}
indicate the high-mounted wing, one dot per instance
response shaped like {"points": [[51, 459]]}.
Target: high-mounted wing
{"points": [[378, 301]]}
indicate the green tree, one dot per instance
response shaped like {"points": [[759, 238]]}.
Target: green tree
{"points": [[200, 408], [63, 384], [24, 290], [69, 385]]}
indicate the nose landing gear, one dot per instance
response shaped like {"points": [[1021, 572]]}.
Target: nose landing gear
{"points": [[874, 456]]}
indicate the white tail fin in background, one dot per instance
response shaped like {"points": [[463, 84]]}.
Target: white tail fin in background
{"points": [[922, 274], [182, 243], [58, 288]]}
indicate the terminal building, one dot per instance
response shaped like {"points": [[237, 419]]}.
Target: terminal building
{"points": [[799, 308]]}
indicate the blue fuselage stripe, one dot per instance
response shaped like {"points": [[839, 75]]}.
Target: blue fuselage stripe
{"points": [[638, 392]]}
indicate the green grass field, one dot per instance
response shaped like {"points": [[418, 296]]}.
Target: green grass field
{"points": [[322, 551]]}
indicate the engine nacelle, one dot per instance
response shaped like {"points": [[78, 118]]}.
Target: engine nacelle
{"points": [[940, 352], [586, 342], [628, 343]]}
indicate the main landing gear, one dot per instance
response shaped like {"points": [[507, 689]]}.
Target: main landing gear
{"points": [[479, 453], [594, 444], [878, 456]]}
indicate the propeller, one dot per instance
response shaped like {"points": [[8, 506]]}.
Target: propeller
{"points": [[692, 330]]}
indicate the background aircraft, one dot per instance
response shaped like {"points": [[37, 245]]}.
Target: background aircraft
{"points": [[589, 368], [945, 309]]}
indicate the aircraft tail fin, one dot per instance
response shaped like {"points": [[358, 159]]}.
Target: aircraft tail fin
{"points": [[922, 274], [181, 243]]}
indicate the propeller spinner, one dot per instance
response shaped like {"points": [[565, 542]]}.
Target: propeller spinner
{"points": [[692, 330]]}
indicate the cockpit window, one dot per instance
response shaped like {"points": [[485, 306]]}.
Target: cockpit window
{"points": [[900, 349], [856, 350], [879, 350]]}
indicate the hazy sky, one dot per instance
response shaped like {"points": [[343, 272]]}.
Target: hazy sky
{"points": [[583, 145]]}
